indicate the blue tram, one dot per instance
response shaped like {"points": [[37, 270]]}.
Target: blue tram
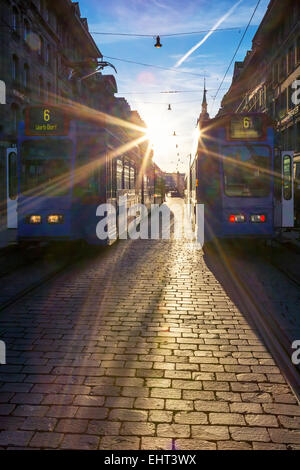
{"points": [[232, 174], [67, 167]]}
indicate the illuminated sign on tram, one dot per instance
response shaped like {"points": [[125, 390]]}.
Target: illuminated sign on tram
{"points": [[246, 127], [46, 120]]}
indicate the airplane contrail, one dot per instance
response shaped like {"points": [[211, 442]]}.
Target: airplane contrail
{"points": [[221, 20]]}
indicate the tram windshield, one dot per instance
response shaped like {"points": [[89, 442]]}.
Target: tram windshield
{"points": [[44, 162], [247, 170]]}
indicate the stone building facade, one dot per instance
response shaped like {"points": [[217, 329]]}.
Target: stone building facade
{"points": [[45, 47], [264, 80]]}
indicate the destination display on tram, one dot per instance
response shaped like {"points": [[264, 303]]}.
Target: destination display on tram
{"points": [[246, 127], [46, 120]]}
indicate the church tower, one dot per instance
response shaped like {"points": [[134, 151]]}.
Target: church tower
{"points": [[204, 116]]}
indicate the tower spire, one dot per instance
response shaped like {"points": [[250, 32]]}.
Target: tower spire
{"points": [[204, 102], [204, 116]]}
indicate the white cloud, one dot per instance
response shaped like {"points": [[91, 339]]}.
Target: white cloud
{"points": [[216, 25]]}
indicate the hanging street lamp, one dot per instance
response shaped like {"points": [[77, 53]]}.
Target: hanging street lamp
{"points": [[158, 43]]}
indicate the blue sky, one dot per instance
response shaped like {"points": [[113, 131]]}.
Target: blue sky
{"points": [[141, 85]]}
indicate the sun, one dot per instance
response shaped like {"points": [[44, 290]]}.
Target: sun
{"points": [[157, 136]]}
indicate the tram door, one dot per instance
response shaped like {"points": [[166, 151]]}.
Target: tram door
{"points": [[11, 187], [297, 190], [284, 190]]}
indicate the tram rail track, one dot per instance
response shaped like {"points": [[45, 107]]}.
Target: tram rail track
{"points": [[15, 264], [277, 342], [291, 276], [44, 279], [275, 338], [27, 290], [288, 274]]}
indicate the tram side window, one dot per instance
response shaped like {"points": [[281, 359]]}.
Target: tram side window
{"points": [[210, 169], [46, 166], [287, 177], [87, 175], [297, 173], [126, 176], [247, 170], [277, 176], [12, 173]]}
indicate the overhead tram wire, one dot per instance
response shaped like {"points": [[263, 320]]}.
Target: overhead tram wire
{"points": [[155, 66], [164, 35], [174, 103], [157, 92], [137, 35], [237, 49], [164, 92]]}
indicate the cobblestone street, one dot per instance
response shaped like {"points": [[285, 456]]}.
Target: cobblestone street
{"points": [[140, 348]]}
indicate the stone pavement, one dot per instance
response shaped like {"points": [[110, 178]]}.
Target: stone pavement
{"points": [[140, 348]]}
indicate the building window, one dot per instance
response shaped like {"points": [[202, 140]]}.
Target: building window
{"points": [[26, 30], [298, 137], [126, 176], [48, 96], [264, 96], [274, 73], [14, 117], [54, 22], [290, 139], [41, 87], [283, 99], [41, 47], [277, 107], [15, 19], [26, 76], [119, 174], [48, 55], [15, 67], [40, 6], [291, 60], [132, 177], [59, 29], [283, 68], [46, 13], [294, 13], [280, 34]]}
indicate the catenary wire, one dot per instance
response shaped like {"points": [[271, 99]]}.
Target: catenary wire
{"points": [[236, 51], [155, 66], [165, 35]]}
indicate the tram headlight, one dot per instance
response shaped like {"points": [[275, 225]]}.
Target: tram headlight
{"points": [[34, 219], [258, 218], [55, 219]]}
